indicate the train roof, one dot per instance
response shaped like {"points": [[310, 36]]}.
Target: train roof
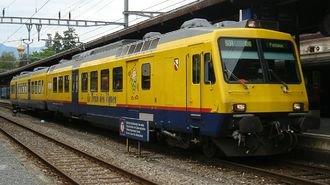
{"points": [[150, 42]]}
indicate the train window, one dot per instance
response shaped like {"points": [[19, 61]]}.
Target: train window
{"points": [[145, 77], [36, 87], [131, 49], [39, 86], [146, 45], [60, 84], [55, 84], [138, 47], [32, 85], [105, 80], [154, 43], [93, 81], [117, 78], [42, 86], [84, 82], [209, 77], [196, 67], [66, 83]]}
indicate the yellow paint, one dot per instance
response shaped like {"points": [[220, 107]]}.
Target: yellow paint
{"points": [[171, 87]]}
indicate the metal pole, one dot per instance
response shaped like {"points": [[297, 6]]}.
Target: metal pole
{"points": [[38, 26], [127, 145], [126, 13], [29, 27], [139, 148]]}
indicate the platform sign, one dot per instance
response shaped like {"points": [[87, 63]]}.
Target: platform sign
{"points": [[134, 129]]}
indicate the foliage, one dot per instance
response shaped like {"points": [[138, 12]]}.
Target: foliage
{"points": [[7, 61], [57, 44], [69, 39], [7, 57], [47, 52]]}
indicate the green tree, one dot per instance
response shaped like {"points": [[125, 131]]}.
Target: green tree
{"points": [[7, 61], [47, 52], [69, 39], [55, 45], [8, 57]]}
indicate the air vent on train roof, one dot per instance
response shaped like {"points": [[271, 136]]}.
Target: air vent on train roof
{"points": [[24, 72], [194, 23], [151, 35], [39, 68]]}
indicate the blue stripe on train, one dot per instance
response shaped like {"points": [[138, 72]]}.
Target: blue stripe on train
{"points": [[209, 124]]}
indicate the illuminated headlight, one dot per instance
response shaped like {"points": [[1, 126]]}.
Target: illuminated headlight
{"points": [[252, 24], [239, 107], [298, 106]]}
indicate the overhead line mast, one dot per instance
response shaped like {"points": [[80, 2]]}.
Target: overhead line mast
{"points": [[39, 22]]}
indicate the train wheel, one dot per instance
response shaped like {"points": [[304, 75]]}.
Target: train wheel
{"points": [[209, 149]]}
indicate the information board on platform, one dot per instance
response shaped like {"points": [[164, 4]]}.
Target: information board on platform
{"points": [[134, 129]]}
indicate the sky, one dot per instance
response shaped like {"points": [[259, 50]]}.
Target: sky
{"points": [[101, 10]]}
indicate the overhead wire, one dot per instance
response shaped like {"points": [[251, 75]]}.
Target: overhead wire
{"points": [[138, 18], [11, 3], [162, 2], [70, 8], [46, 2]]}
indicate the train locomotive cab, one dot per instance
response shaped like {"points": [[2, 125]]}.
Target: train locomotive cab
{"points": [[262, 92]]}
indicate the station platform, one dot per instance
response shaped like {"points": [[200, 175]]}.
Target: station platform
{"points": [[12, 171], [317, 141]]}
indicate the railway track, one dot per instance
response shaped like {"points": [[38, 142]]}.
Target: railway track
{"points": [[76, 165], [286, 171]]}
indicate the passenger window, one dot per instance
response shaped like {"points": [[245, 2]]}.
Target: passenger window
{"points": [[32, 87], [196, 67], [42, 86], [209, 77], [105, 80], [39, 86], [60, 84], [36, 87], [93, 81], [66, 83], [117, 78], [145, 77], [55, 84], [84, 82]]}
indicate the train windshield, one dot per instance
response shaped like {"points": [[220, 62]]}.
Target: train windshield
{"points": [[258, 61]]}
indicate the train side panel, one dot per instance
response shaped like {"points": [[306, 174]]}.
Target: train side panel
{"points": [[59, 90]]}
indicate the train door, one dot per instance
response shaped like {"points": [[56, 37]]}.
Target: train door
{"points": [[75, 91], [193, 74], [29, 89], [132, 82]]}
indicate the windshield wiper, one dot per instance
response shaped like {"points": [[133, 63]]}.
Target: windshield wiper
{"points": [[236, 78], [286, 87]]}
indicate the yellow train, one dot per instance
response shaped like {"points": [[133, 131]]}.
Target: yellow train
{"points": [[230, 87]]}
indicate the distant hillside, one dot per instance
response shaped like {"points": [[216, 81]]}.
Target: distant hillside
{"points": [[4, 48]]}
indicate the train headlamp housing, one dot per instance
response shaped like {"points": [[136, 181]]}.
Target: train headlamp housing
{"points": [[298, 107], [251, 24], [239, 107]]}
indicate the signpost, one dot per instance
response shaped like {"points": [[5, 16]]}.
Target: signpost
{"points": [[134, 129]]}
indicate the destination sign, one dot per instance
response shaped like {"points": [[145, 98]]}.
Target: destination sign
{"points": [[134, 129], [238, 43], [276, 44]]}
